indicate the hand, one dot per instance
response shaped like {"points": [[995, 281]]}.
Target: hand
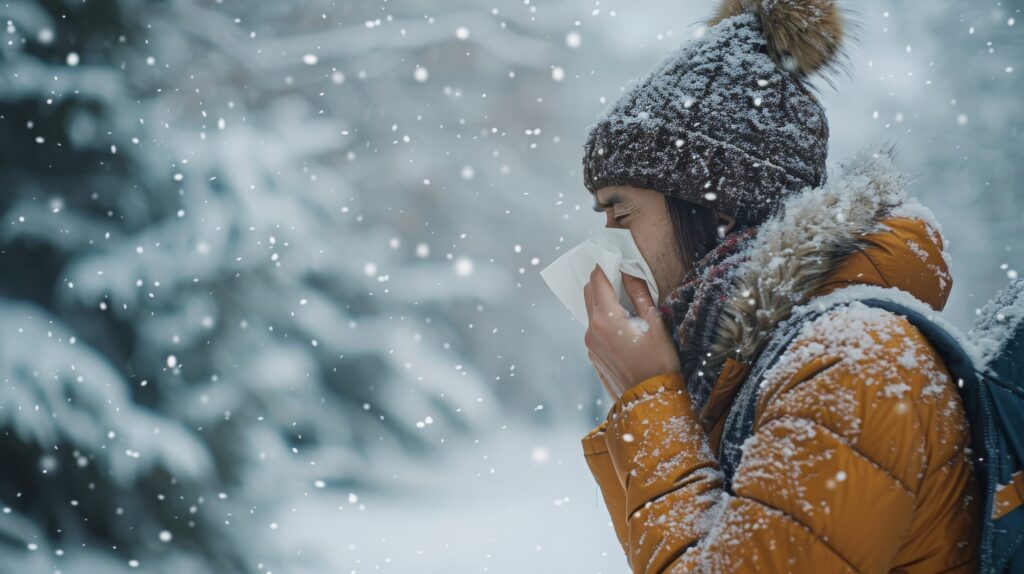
{"points": [[621, 349]]}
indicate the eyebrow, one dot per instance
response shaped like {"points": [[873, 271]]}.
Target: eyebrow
{"points": [[599, 206]]}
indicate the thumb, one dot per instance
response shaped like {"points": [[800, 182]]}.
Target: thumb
{"points": [[640, 295]]}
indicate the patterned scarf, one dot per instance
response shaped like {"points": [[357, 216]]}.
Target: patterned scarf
{"points": [[691, 311]]}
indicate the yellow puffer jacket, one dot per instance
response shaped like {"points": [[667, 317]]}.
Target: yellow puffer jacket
{"points": [[858, 460]]}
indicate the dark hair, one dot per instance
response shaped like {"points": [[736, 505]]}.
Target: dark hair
{"points": [[695, 227]]}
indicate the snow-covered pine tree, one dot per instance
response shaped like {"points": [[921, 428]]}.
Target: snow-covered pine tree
{"points": [[98, 469], [248, 245]]}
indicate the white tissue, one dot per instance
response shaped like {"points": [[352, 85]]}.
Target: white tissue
{"points": [[613, 249]]}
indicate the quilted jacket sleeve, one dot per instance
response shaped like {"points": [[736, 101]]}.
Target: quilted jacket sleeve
{"points": [[595, 451], [849, 431]]}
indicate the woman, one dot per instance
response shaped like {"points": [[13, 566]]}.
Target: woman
{"points": [[858, 456]]}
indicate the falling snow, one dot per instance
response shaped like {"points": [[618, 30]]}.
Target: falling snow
{"points": [[272, 298]]}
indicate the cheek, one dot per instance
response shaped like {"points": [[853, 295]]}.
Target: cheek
{"points": [[655, 240]]}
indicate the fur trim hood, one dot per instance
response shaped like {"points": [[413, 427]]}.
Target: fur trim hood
{"points": [[859, 228]]}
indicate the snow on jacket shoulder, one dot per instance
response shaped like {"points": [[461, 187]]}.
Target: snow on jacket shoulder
{"points": [[857, 461]]}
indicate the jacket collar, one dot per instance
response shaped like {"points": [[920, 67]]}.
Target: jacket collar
{"points": [[858, 228]]}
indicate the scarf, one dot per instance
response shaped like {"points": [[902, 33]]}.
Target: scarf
{"points": [[692, 308]]}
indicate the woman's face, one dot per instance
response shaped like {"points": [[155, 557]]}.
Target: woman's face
{"points": [[644, 213]]}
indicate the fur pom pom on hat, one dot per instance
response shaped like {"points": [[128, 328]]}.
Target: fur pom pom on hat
{"points": [[727, 120], [804, 36]]}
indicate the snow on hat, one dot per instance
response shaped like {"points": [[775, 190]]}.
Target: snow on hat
{"points": [[726, 120]]}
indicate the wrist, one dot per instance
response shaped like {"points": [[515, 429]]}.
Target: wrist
{"points": [[671, 381]]}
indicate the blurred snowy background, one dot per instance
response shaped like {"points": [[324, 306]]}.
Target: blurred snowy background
{"points": [[269, 291]]}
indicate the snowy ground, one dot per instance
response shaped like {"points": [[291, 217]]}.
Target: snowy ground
{"points": [[518, 500]]}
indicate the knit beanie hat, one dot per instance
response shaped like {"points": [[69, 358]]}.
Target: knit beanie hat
{"points": [[727, 120]]}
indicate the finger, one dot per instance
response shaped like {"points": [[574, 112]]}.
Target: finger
{"points": [[639, 294], [602, 291]]}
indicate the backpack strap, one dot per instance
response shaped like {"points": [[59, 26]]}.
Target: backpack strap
{"points": [[739, 422]]}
